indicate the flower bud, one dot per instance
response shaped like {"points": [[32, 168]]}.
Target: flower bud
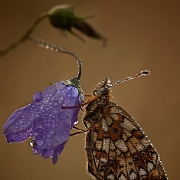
{"points": [[63, 17]]}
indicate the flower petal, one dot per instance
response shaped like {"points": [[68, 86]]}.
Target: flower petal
{"points": [[51, 129], [45, 120], [18, 127], [57, 152], [19, 136]]}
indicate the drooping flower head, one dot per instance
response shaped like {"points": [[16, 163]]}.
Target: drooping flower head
{"points": [[45, 120]]}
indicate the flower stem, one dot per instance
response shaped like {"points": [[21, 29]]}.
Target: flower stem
{"points": [[15, 44], [57, 48]]}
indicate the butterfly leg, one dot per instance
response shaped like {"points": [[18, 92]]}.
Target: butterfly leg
{"points": [[79, 132], [92, 99], [79, 129]]}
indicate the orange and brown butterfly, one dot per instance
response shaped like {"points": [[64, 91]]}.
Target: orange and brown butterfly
{"points": [[116, 146]]}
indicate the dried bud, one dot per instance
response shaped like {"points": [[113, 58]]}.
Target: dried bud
{"points": [[63, 17], [89, 31]]}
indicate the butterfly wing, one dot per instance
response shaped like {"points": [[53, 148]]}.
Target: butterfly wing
{"points": [[118, 149]]}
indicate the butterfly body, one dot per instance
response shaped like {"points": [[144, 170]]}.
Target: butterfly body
{"points": [[116, 146]]}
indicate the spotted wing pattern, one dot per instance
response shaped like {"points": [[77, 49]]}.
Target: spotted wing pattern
{"points": [[116, 146]]}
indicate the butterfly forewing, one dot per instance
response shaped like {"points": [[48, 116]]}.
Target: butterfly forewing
{"points": [[116, 146]]}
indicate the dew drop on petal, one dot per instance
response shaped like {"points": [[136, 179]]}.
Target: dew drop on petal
{"points": [[61, 116], [47, 140], [39, 124], [75, 122], [53, 125], [49, 143], [35, 133], [55, 103], [51, 131], [55, 111], [61, 98], [48, 135], [74, 92], [32, 143], [45, 101], [40, 142], [35, 150], [37, 96], [81, 98]]}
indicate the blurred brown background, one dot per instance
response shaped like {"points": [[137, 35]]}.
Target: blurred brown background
{"points": [[141, 35]]}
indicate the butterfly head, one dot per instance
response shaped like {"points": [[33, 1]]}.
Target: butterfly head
{"points": [[103, 87]]}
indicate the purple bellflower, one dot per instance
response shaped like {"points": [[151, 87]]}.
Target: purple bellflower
{"points": [[45, 120]]}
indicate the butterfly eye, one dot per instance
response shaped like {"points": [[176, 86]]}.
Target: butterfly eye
{"points": [[95, 92], [104, 91]]}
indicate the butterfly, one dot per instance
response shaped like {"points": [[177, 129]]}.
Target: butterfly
{"points": [[116, 146]]}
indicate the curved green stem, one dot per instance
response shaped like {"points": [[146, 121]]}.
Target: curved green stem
{"points": [[15, 44]]}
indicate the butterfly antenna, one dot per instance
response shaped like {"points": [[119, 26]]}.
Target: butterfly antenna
{"points": [[142, 73], [57, 48]]}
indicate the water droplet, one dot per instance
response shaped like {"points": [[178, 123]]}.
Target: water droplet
{"points": [[55, 111], [35, 133], [47, 108], [39, 124], [35, 150], [45, 101], [57, 124], [55, 103], [61, 116], [47, 46], [51, 131], [37, 96], [81, 97], [74, 92], [60, 98], [53, 125], [16, 123], [53, 121], [47, 139], [32, 143], [40, 142]]}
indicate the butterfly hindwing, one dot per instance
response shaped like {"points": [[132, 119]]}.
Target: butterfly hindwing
{"points": [[116, 146]]}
